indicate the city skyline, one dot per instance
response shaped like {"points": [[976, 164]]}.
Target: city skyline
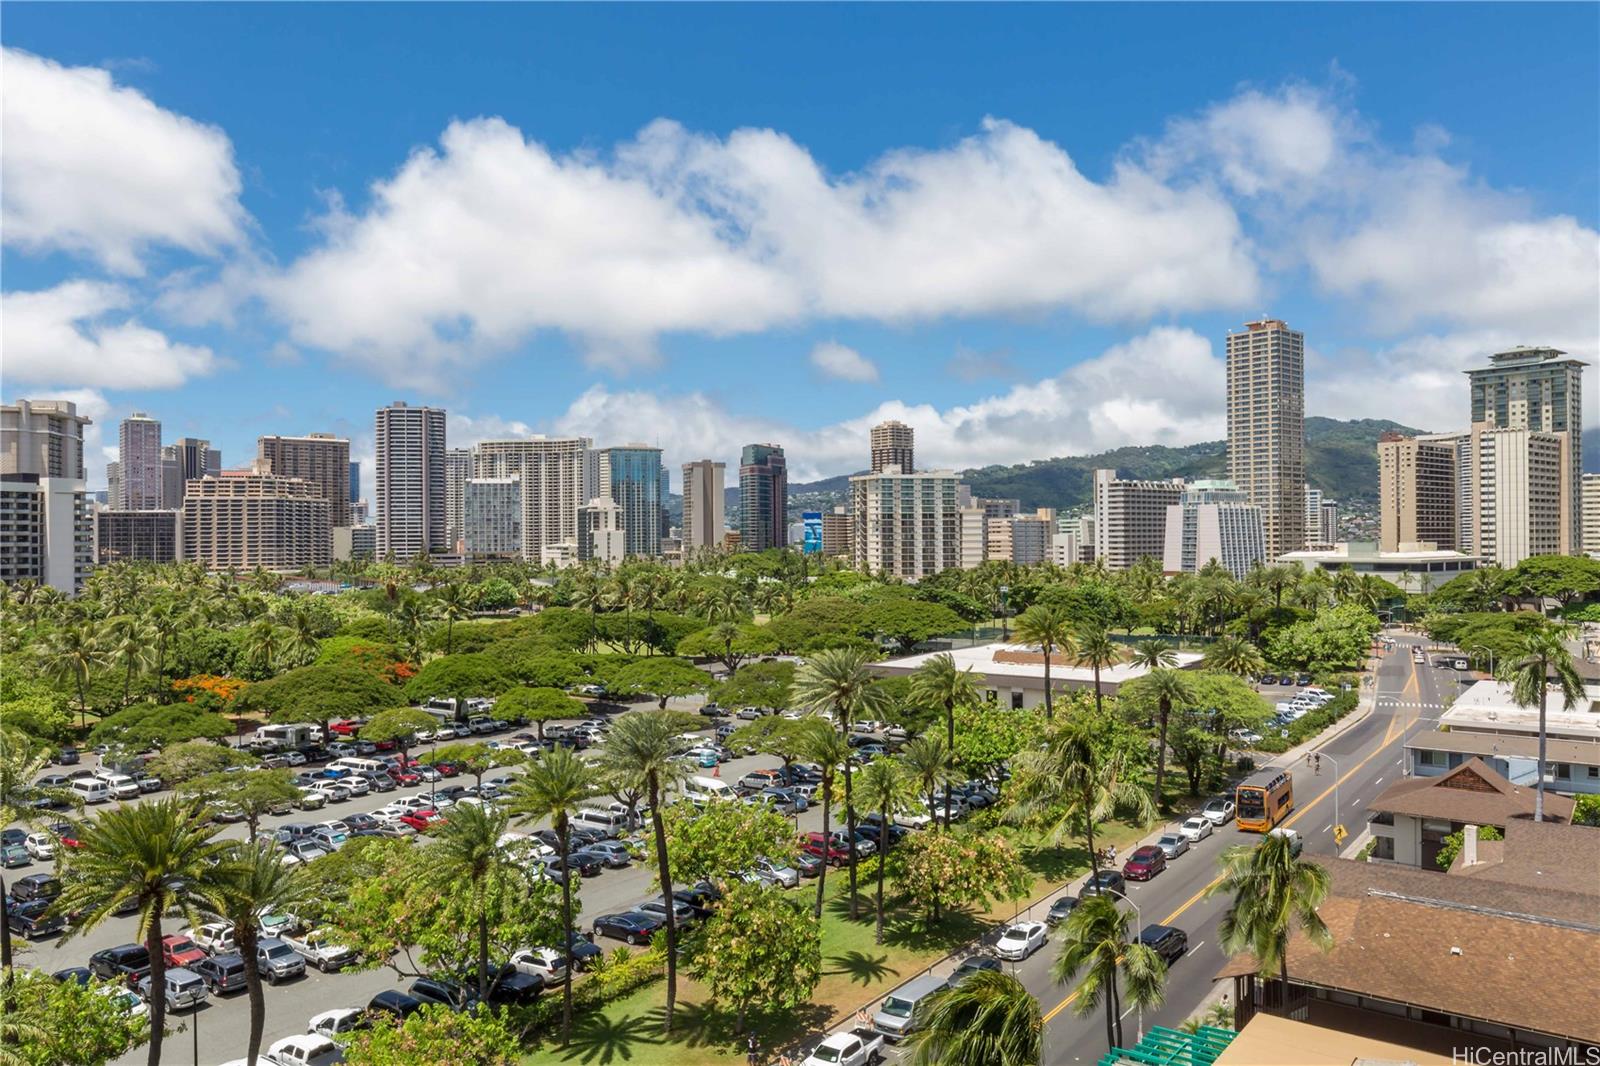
{"points": [[236, 318]]}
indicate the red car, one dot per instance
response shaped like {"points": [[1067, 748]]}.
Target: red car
{"points": [[420, 819], [406, 777], [1144, 863], [181, 951], [345, 728], [820, 846], [446, 769]]}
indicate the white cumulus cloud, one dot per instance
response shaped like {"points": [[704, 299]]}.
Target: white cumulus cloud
{"points": [[79, 333], [97, 169], [842, 362]]}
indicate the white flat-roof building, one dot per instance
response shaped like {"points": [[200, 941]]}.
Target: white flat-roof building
{"points": [[1415, 567], [1012, 675], [1486, 723]]}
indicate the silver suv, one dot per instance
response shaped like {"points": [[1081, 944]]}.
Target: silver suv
{"points": [[278, 961], [184, 988]]}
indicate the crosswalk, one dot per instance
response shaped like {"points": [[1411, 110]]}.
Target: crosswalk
{"points": [[1385, 701]]}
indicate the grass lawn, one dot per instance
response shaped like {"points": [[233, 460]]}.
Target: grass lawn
{"points": [[855, 972]]}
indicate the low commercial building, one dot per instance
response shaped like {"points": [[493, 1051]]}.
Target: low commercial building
{"points": [[1485, 722], [1012, 675], [1414, 568], [1410, 819], [355, 542], [137, 537]]}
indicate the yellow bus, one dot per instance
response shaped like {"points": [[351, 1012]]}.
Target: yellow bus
{"points": [[1264, 801]]}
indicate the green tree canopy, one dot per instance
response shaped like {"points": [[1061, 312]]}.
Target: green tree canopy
{"points": [[320, 693], [1563, 578], [759, 947], [758, 685], [195, 758], [660, 677], [437, 1034], [533, 662], [539, 705], [1336, 638], [956, 868], [730, 642], [723, 840], [1097, 603], [909, 622], [461, 677], [255, 794], [63, 1021], [153, 726], [987, 736]]}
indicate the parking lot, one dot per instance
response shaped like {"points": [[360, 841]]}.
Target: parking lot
{"points": [[216, 1031]]}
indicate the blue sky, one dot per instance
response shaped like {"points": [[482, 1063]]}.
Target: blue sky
{"points": [[1024, 229]]}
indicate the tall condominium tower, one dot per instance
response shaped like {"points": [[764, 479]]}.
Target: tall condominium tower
{"points": [[702, 504], [558, 475], [1130, 518], [410, 474], [249, 518], [763, 498], [631, 477], [492, 517], [320, 458], [1213, 521], [905, 525], [184, 460], [1418, 491], [46, 531], [1533, 388], [139, 453], [43, 437], [893, 445], [1267, 428], [459, 466]]}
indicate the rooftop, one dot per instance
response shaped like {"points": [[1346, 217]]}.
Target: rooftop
{"points": [[1025, 663], [1545, 856], [1474, 947], [1368, 550], [1514, 746], [1487, 707], [1271, 1040], [1471, 793]]}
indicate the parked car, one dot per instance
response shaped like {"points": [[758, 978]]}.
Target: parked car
{"points": [[306, 1050], [683, 913], [1103, 882], [615, 855], [278, 961], [394, 1002], [1172, 844], [180, 951], [860, 1046], [757, 780], [79, 975], [41, 846], [182, 988], [321, 949], [633, 927], [14, 855], [34, 920], [221, 973], [509, 986], [974, 964], [126, 962], [214, 937], [777, 873], [548, 964], [585, 953], [1144, 863], [336, 1022], [1021, 940], [824, 848], [444, 992], [1218, 810], [1196, 827], [808, 865], [36, 886], [1169, 941], [1060, 910]]}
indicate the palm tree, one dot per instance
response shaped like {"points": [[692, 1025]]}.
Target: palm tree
{"points": [[1169, 688], [165, 620], [300, 644], [252, 879], [1538, 655], [1273, 890], [263, 645], [1096, 649], [410, 622], [1049, 628], [75, 651], [640, 749], [887, 789], [455, 603], [129, 644], [1094, 942], [1234, 655], [154, 854], [838, 680], [927, 760], [723, 603], [939, 682], [1074, 782], [588, 594], [554, 787], [819, 744], [22, 761], [989, 1019], [465, 853]]}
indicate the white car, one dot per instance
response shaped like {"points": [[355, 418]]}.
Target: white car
{"points": [[412, 803], [1021, 940], [332, 791], [126, 999], [1219, 811], [331, 1023], [41, 846], [215, 937], [304, 1051], [392, 813], [1195, 828], [547, 963], [294, 758]]}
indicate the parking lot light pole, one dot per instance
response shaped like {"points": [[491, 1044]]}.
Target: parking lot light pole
{"points": [[1138, 917], [1317, 755], [1485, 648]]}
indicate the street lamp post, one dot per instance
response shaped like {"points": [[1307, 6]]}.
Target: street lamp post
{"points": [[1317, 765], [1485, 648], [1005, 619], [1139, 917]]}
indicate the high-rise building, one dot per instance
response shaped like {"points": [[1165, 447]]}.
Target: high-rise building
{"points": [[320, 458], [559, 475], [631, 476], [354, 542], [1067, 548], [1416, 492], [906, 525], [601, 537], [1213, 521], [972, 527], [43, 437], [172, 482], [1524, 504], [137, 536], [410, 481], [837, 530], [703, 505], [139, 457], [46, 532], [459, 466], [1030, 536], [1267, 428], [1591, 513], [763, 498], [893, 444], [1313, 515], [1130, 518], [492, 517], [1327, 527], [184, 460], [1534, 388], [997, 508], [355, 481], [113, 484], [252, 518]]}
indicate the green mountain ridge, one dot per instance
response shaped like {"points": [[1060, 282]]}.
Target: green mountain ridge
{"points": [[1341, 460]]}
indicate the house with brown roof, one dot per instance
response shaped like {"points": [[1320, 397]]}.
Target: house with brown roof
{"points": [[1439, 962], [1410, 819]]}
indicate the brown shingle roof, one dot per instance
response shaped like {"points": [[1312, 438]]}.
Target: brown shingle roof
{"points": [[1541, 855], [1527, 959], [1472, 793]]}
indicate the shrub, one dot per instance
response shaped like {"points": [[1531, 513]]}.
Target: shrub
{"points": [[615, 976]]}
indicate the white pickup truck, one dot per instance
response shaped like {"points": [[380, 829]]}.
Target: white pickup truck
{"points": [[858, 1047], [320, 950]]}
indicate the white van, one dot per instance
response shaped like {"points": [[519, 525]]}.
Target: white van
{"points": [[607, 822], [91, 790], [360, 766], [122, 786], [705, 789]]}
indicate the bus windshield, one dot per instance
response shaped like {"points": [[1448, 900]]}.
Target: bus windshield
{"points": [[1251, 803]]}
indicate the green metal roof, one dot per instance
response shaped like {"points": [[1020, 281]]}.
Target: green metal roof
{"points": [[1170, 1047]]}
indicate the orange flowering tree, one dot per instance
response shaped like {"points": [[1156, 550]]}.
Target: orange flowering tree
{"points": [[210, 692]]}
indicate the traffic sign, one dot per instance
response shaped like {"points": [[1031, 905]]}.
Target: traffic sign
{"points": [[1339, 834]]}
